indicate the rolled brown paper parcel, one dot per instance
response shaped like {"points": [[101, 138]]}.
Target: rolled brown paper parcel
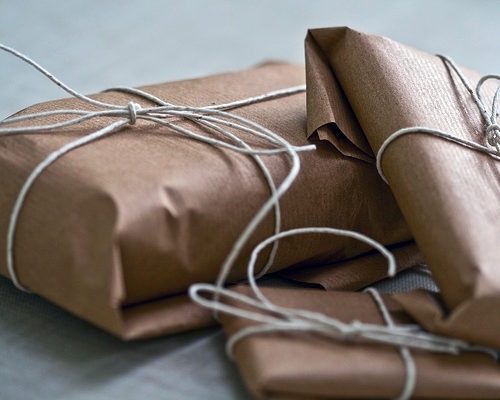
{"points": [[447, 193], [305, 365], [117, 230]]}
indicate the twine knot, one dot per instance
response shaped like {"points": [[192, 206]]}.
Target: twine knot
{"points": [[132, 108], [352, 331], [489, 115], [493, 135]]}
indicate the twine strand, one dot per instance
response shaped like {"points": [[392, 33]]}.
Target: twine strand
{"points": [[491, 131], [411, 371]]}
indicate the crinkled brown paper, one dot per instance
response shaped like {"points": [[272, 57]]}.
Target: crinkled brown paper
{"points": [[448, 194], [117, 230]]}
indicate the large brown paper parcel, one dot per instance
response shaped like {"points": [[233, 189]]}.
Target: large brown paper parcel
{"points": [[297, 366], [448, 194], [117, 230]]}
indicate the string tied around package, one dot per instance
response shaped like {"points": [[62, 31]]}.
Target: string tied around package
{"points": [[490, 115], [215, 118]]}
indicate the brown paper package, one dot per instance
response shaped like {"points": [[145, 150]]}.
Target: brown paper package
{"points": [[447, 193], [308, 366], [117, 230]]}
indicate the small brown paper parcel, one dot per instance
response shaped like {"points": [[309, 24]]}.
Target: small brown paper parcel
{"points": [[448, 194], [304, 365], [117, 230]]}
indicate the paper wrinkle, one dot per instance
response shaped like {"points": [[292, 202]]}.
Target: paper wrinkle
{"points": [[116, 279], [179, 216], [429, 313], [448, 194]]}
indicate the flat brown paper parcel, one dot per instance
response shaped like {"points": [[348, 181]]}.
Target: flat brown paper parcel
{"points": [[117, 230], [302, 365], [447, 193]]}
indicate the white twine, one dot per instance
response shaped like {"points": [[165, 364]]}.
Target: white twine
{"points": [[411, 370], [491, 131], [272, 317]]}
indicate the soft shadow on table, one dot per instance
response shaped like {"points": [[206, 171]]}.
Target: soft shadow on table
{"points": [[46, 353]]}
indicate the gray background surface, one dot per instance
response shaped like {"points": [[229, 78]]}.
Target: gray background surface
{"points": [[46, 353], [92, 45]]}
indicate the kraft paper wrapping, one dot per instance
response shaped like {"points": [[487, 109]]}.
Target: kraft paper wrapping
{"points": [[308, 366], [447, 193], [117, 230]]}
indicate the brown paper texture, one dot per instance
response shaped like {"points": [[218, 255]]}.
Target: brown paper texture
{"points": [[448, 194], [117, 230], [308, 366]]}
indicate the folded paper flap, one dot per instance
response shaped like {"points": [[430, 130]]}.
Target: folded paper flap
{"points": [[329, 114], [171, 314], [299, 365], [465, 322]]}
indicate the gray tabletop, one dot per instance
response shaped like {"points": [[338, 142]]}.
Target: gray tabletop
{"points": [[45, 353]]}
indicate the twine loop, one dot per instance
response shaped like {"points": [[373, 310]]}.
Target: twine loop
{"points": [[132, 108], [493, 136], [352, 332]]}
